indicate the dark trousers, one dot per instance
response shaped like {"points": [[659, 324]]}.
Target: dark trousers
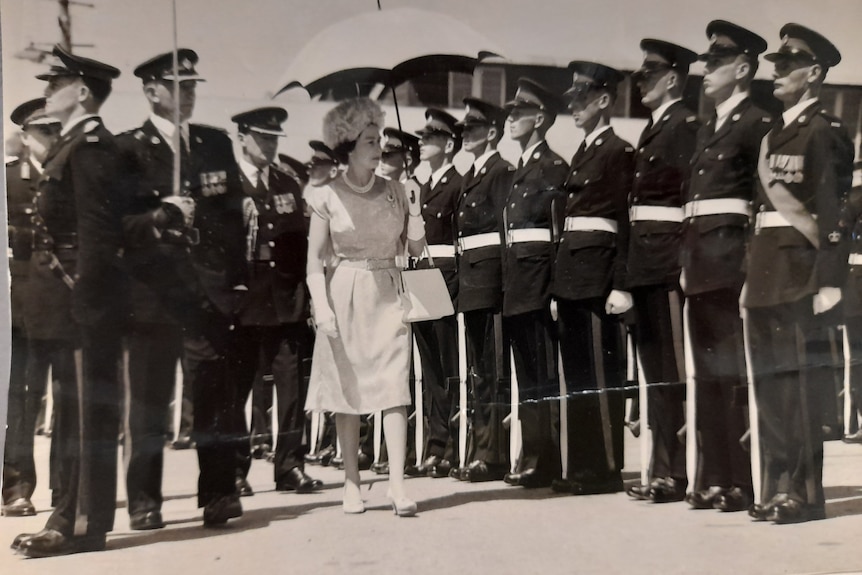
{"points": [[715, 332], [593, 353], [659, 339], [282, 349], [535, 355], [791, 438], [89, 417], [487, 373], [27, 381], [438, 351], [261, 406], [153, 352]]}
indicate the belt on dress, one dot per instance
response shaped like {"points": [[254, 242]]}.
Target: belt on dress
{"points": [[589, 224], [656, 214], [370, 264], [855, 259], [773, 220], [718, 206], [478, 241], [528, 235]]}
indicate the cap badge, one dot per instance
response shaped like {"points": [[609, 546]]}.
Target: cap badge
{"points": [[186, 64]]}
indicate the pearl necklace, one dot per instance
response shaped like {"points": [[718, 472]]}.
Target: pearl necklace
{"points": [[358, 189]]}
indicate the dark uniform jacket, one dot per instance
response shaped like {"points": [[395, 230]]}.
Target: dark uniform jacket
{"points": [[590, 264], [527, 266], [852, 293], [209, 175], [438, 211], [661, 175], [80, 203], [21, 178], [724, 165], [813, 158], [276, 278], [480, 211]]}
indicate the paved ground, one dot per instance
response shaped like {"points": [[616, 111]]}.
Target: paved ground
{"points": [[461, 528]]}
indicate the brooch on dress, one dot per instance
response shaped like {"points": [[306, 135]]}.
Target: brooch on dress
{"points": [[390, 197]]}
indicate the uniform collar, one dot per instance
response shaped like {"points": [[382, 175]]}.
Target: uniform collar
{"points": [[438, 175], [791, 114], [251, 172], [525, 157], [723, 110], [659, 112], [591, 137], [482, 160], [68, 127]]}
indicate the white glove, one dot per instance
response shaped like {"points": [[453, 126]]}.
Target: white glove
{"points": [[618, 302], [554, 314], [323, 315], [411, 188], [682, 280], [826, 299], [186, 205]]}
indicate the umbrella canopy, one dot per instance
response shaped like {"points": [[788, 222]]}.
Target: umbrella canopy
{"points": [[384, 47]]}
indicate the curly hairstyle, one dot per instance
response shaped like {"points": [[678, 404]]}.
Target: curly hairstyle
{"points": [[343, 124]]}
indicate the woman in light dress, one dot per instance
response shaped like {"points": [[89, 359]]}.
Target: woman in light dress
{"points": [[360, 223]]}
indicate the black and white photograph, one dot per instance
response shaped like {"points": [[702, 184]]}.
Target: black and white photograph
{"points": [[393, 286]]}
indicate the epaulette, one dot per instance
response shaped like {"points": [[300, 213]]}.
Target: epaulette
{"points": [[833, 120], [630, 149], [766, 119]]}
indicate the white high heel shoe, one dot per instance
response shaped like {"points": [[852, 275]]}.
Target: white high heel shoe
{"points": [[402, 506], [352, 507]]}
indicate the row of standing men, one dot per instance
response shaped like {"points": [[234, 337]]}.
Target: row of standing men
{"points": [[608, 233]]}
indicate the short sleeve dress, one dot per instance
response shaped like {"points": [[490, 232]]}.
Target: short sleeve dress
{"points": [[365, 368]]}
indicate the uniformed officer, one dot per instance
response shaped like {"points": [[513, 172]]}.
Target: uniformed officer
{"points": [[479, 225], [272, 328], [853, 299], [536, 186], [713, 251], [797, 265], [437, 340], [589, 285], [38, 133], [661, 176], [323, 165], [80, 206], [186, 248]]}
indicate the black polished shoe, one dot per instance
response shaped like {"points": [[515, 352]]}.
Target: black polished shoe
{"points": [[642, 492], [21, 507], [146, 520], [762, 511], [442, 469], [365, 461], [598, 486], [563, 485], [326, 455], [423, 468], [19, 539], [261, 451], [792, 511], [220, 509], [705, 498], [243, 487], [51, 543], [297, 480], [732, 500], [669, 492], [182, 442], [380, 468], [458, 473], [337, 462], [528, 478], [479, 471]]}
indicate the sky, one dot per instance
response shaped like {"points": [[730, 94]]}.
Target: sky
{"points": [[246, 45]]}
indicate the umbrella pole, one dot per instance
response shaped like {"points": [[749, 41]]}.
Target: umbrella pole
{"points": [[176, 118]]}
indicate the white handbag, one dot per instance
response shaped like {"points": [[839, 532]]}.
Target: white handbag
{"points": [[425, 294]]}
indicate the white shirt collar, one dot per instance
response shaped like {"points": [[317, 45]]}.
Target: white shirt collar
{"points": [[167, 127], [525, 157], [251, 172], [591, 137], [659, 112], [794, 112], [68, 127], [482, 160], [723, 110], [438, 175]]}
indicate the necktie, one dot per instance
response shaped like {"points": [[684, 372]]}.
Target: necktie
{"points": [[260, 188], [581, 149], [521, 164]]}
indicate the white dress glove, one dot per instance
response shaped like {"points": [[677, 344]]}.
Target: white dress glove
{"points": [[186, 205], [324, 318], [415, 223], [826, 299], [618, 302], [554, 313]]}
